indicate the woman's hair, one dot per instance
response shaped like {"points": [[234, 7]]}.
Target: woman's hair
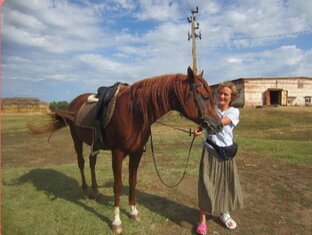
{"points": [[230, 85]]}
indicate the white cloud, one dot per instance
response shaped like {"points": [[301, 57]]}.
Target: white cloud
{"points": [[126, 4], [289, 61], [234, 60], [15, 17], [80, 45], [279, 62], [99, 62], [160, 10], [253, 20], [210, 7], [18, 60], [301, 7], [58, 29], [291, 55]]}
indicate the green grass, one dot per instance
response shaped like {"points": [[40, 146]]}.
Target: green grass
{"points": [[48, 200], [295, 152], [17, 123], [277, 133], [275, 123]]}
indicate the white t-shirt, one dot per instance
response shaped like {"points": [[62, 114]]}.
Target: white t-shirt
{"points": [[225, 137]]}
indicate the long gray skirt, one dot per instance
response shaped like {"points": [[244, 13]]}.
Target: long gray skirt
{"points": [[219, 188]]}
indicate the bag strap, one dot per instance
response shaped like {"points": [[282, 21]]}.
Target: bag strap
{"points": [[216, 147]]}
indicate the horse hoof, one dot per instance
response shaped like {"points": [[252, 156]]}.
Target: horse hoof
{"points": [[117, 229], [93, 195], [135, 217], [85, 191]]}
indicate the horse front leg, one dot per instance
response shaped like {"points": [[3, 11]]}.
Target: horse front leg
{"points": [[133, 170], [117, 158]]}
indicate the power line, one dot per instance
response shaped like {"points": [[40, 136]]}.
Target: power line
{"points": [[241, 41], [264, 37], [281, 35]]}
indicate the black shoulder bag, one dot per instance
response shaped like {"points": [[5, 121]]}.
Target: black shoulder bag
{"points": [[225, 153]]}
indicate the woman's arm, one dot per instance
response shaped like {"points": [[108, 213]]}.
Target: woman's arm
{"points": [[226, 121]]}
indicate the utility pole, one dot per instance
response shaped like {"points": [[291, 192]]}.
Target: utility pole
{"points": [[193, 36]]}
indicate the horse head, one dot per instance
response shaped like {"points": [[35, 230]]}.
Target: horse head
{"points": [[198, 103]]}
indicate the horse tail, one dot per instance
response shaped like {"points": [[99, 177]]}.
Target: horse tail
{"points": [[58, 120]]}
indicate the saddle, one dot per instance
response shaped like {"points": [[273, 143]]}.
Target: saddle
{"points": [[91, 112]]}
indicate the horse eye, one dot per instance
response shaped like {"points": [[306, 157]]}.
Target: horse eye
{"points": [[205, 97]]}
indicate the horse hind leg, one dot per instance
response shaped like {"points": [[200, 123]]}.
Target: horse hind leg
{"points": [[78, 144], [92, 161]]}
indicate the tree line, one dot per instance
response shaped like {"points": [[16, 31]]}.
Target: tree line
{"points": [[23, 101], [54, 106]]}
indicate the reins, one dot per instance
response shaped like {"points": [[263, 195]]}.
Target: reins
{"points": [[204, 123], [186, 164], [176, 128]]}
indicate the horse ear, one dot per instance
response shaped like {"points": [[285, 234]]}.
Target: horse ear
{"points": [[190, 73], [201, 74]]}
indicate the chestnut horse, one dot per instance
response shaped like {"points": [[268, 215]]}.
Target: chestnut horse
{"points": [[137, 107]]}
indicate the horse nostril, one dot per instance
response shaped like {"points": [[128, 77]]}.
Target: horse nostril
{"points": [[206, 125]]}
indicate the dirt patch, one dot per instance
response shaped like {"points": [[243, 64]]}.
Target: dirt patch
{"points": [[25, 149], [277, 195]]}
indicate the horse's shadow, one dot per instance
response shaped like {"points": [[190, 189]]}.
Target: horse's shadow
{"points": [[55, 185], [178, 213]]}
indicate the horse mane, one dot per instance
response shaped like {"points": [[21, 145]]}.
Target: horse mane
{"points": [[152, 97]]}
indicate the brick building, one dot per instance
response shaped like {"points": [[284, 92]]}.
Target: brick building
{"points": [[285, 91]]}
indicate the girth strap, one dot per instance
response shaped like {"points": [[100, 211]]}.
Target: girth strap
{"points": [[105, 94]]}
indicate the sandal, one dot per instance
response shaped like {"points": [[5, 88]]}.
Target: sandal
{"points": [[202, 229], [228, 221]]}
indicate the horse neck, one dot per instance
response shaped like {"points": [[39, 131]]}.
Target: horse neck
{"points": [[155, 97]]}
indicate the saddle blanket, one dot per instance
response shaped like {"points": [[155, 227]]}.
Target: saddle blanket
{"points": [[86, 115], [87, 112]]}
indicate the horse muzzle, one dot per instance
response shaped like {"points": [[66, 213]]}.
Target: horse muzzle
{"points": [[212, 126]]}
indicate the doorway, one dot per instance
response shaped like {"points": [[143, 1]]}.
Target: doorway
{"points": [[274, 96]]}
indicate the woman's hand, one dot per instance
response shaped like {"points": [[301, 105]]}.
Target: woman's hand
{"points": [[197, 131]]}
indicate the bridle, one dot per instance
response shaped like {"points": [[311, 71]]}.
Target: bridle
{"points": [[204, 122]]}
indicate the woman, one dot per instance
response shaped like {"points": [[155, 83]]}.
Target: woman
{"points": [[219, 188]]}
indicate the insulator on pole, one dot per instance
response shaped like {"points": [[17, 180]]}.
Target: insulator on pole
{"points": [[193, 36]]}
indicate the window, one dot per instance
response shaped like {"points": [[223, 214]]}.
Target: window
{"points": [[290, 100], [308, 100]]}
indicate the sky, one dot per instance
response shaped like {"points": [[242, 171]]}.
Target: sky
{"points": [[55, 50]]}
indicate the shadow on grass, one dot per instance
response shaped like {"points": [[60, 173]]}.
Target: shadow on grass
{"points": [[175, 212], [58, 185], [55, 185]]}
